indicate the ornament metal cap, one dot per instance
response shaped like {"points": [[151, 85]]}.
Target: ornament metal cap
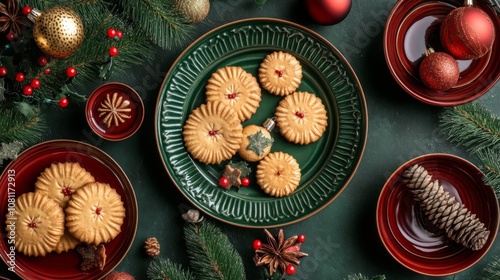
{"points": [[269, 124], [34, 13], [468, 2]]}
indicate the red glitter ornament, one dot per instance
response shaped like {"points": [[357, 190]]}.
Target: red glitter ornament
{"points": [[467, 32], [439, 70], [328, 12]]}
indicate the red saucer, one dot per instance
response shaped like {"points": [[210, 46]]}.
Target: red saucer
{"points": [[123, 130], [411, 239], [413, 26]]}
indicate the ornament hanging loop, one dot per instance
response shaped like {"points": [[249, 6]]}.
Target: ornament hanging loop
{"points": [[269, 124], [468, 3]]}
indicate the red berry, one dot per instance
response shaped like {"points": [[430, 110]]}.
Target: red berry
{"points": [[63, 102], [26, 10], [27, 90], [291, 269], [35, 83], [10, 36], [223, 182], [3, 71], [46, 71], [42, 61], [113, 51], [245, 182], [71, 71], [119, 34], [19, 77], [301, 238], [111, 32], [299, 114], [257, 244]]}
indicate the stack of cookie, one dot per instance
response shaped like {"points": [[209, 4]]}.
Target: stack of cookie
{"points": [[213, 132], [68, 207]]}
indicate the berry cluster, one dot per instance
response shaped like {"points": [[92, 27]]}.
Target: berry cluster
{"points": [[113, 34]]}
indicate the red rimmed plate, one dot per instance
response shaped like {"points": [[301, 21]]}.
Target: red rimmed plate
{"points": [[411, 239], [130, 125], [20, 176], [411, 27]]}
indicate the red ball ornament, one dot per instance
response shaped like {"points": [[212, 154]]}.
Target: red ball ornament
{"points": [[111, 32], [467, 32], [63, 102], [46, 71], [26, 10], [291, 269], [113, 51], [71, 72], [257, 244], [3, 71], [328, 12], [245, 182], [223, 182], [120, 275], [19, 77], [439, 70], [301, 238], [10, 36], [42, 61], [27, 90], [119, 34], [35, 83]]}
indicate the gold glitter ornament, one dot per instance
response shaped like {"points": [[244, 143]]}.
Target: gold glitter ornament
{"points": [[58, 31]]}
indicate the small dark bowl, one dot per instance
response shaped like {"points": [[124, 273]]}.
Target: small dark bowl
{"points": [[413, 26], [411, 239], [124, 130]]}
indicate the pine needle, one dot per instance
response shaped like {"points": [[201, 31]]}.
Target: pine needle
{"points": [[211, 254], [359, 276], [490, 160], [162, 269], [14, 126], [471, 126], [159, 21], [492, 270]]}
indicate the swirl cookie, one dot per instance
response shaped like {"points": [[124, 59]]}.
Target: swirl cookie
{"points": [[278, 174], [39, 224], [280, 73], [60, 180], [95, 213], [212, 133], [256, 143], [235, 87], [301, 117]]}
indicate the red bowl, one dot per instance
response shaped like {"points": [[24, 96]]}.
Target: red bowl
{"points": [[411, 239], [20, 176], [413, 26], [123, 130]]}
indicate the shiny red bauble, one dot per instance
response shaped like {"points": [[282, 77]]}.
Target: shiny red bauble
{"points": [[257, 244], [439, 70], [111, 32], [35, 83], [301, 238], [119, 276], [28, 90], [63, 102], [291, 269], [19, 77], [71, 71], [467, 33], [113, 51], [328, 12], [42, 61], [3, 71], [26, 10]]}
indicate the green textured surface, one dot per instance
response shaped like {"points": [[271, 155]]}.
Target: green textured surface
{"points": [[342, 238], [326, 165]]}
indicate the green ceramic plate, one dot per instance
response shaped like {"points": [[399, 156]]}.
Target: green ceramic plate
{"points": [[327, 165]]}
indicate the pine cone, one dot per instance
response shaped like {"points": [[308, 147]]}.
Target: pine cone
{"points": [[152, 247], [459, 224]]}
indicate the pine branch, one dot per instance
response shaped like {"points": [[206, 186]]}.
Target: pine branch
{"points": [[211, 254], [471, 126], [159, 20], [359, 276], [165, 269], [492, 270], [490, 160], [14, 126]]}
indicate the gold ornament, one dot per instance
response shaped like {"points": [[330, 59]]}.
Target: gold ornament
{"points": [[58, 31]]}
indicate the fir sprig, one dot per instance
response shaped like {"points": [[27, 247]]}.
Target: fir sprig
{"points": [[492, 270], [162, 269], [159, 20], [15, 126], [471, 126], [490, 166], [359, 276], [211, 254]]}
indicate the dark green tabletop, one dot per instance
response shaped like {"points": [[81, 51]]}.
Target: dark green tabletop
{"points": [[342, 239]]}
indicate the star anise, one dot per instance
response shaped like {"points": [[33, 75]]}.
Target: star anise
{"points": [[115, 110], [11, 17], [279, 253]]}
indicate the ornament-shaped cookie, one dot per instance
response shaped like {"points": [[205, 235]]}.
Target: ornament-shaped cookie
{"points": [[280, 73], [278, 174], [301, 117], [212, 133], [237, 88], [256, 141], [39, 224]]}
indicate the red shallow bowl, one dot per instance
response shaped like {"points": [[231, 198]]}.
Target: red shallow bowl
{"points": [[19, 177], [411, 27], [124, 130], [415, 242]]}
